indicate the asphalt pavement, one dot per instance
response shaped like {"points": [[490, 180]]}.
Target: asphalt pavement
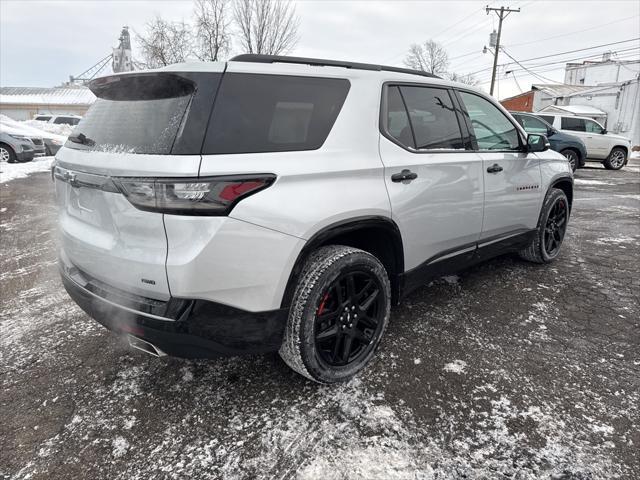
{"points": [[509, 370]]}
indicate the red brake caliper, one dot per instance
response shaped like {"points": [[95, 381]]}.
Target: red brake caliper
{"points": [[322, 304]]}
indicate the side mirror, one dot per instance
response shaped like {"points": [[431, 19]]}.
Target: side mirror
{"points": [[604, 131], [551, 132], [537, 143]]}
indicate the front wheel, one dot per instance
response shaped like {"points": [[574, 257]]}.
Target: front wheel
{"points": [[7, 154], [552, 226], [572, 157], [616, 159], [338, 315]]}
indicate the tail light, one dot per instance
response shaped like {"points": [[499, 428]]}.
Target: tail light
{"points": [[191, 196]]}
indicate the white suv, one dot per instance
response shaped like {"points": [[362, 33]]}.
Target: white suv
{"points": [[609, 149], [284, 204]]}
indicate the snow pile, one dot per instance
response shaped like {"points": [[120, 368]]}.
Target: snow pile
{"points": [[35, 128], [11, 171], [57, 129]]}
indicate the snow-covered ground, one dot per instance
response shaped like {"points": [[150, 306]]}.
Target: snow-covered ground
{"points": [[11, 171]]}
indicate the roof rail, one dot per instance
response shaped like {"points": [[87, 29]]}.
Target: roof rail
{"points": [[255, 58]]}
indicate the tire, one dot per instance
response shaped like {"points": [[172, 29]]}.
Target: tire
{"points": [[325, 340], [550, 230], [7, 154], [616, 159], [573, 157]]}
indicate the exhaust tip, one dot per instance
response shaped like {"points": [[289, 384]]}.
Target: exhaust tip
{"points": [[145, 346]]}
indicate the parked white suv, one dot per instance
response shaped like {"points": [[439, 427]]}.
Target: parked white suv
{"points": [[59, 119], [610, 149], [284, 204]]}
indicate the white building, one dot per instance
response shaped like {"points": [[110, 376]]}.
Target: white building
{"points": [[23, 103], [605, 71], [618, 102]]}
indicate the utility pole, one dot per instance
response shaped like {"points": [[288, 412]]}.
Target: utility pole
{"points": [[502, 13]]}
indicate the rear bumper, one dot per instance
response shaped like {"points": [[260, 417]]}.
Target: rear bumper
{"points": [[186, 328]]}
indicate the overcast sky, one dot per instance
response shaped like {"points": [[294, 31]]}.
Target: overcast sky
{"points": [[43, 42]]}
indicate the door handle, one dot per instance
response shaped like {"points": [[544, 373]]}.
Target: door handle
{"points": [[495, 168], [404, 176]]}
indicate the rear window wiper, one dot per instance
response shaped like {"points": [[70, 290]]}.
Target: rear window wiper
{"points": [[82, 139]]}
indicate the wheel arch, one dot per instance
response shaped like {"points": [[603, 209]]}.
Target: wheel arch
{"points": [[626, 152], [4, 144], [566, 185], [576, 150], [377, 235]]}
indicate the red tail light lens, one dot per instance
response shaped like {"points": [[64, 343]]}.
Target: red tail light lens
{"points": [[200, 196]]}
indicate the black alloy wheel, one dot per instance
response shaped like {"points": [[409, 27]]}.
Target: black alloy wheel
{"points": [[348, 318], [555, 227]]}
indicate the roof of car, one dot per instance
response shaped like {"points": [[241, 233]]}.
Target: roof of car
{"points": [[285, 65]]}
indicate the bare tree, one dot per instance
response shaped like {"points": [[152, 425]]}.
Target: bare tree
{"points": [[213, 29], [164, 43], [462, 78], [267, 26], [429, 57]]}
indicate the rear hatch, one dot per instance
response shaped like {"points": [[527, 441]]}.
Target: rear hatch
{"points": [[147, 125]]}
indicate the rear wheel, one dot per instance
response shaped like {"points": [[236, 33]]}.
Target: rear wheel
{"points": [[572, 156], [616, 159], [7, 154], [339, 313], [552, 226]]}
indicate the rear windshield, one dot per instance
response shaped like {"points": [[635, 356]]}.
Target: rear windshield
{"points": [[134, 114], [273, 113]]}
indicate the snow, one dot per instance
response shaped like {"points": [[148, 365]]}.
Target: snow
{"points": [[120, 447], [582, 181], [11, 171], [34, 127], [52, 128], [457, 366]]}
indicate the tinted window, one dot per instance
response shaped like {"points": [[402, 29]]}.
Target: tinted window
{"points": [[273, 113], [136, 114], [491, 128], [547, 118], [574, 124], [66, 120], [433, 118], [43, 118], [592, 126], [397, 119], [532, 124]]}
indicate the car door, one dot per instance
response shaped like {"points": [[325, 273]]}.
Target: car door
{"points": [[512, 179], [578, 127], [594, 134], [433, 178]]}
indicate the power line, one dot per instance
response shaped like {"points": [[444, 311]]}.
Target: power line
{"points": [[563, 53], [624, 52], [577, 31], [580, 49]]}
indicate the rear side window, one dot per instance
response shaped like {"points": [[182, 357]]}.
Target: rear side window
{"points": [[574, 124], [433, 118], [397, 119], [492, 129], [273, 113]]}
